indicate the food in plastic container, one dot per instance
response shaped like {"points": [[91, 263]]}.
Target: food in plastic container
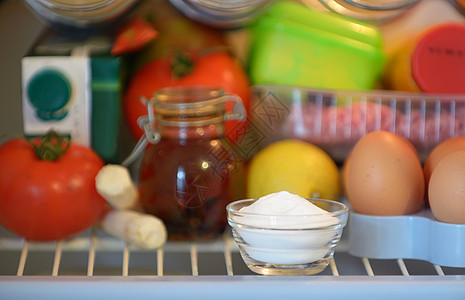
{"points": [[293, 44], [336, 120]]}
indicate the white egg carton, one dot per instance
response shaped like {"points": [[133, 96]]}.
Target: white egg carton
{"points": [[415, 236]]}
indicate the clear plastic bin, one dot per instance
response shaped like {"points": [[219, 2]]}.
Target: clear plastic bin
{"points": [[336, 120]]}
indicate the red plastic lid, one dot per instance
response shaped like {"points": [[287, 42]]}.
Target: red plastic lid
{"points": [[438, 60]]}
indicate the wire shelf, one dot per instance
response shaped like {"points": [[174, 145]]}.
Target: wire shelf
{"points": [[95, 265]]}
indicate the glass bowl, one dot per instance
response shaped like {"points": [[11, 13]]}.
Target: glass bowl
{"points": [[287, 244]]}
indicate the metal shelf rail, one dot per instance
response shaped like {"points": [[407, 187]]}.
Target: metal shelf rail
{"points": [[94, 265]]}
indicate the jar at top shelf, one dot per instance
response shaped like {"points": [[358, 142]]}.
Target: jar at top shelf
{"points": [[376, 11], [189, 172], [83, 14], [220, 13]]}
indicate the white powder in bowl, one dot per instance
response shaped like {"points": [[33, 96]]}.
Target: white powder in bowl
{"points": [[287, 229], [285, 204]]}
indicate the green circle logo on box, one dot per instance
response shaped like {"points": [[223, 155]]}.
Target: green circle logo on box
{"points": [[49, 91]]}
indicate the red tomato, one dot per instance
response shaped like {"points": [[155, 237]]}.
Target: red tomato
{"points": [[48, 200], [216, 68]]}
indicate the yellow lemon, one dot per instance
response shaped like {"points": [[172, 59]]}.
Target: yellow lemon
{"points": [[295, 166]]}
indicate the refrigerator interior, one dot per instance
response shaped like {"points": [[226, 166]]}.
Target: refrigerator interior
{"points": [[95, 265]]}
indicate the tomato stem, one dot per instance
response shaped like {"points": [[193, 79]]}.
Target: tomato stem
{"points": [[52, 146], [181, 64]]}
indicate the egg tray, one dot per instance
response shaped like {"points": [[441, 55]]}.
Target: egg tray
{"points": [[415, 236]]}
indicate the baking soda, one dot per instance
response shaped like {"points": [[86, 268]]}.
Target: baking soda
{"points": [[287, 229], [284, 206]]}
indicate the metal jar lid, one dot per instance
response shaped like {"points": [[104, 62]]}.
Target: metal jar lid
{"points": [[80, 14], [220, 13]]}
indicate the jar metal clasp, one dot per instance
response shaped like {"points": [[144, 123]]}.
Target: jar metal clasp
{"points": [[238, 112], [149, 122], [150, 135]]}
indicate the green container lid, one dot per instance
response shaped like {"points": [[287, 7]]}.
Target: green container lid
{"points": [[294, 44], [327, 23]]}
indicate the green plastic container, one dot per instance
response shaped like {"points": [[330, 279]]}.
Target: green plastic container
{"points": [[296, 45]]}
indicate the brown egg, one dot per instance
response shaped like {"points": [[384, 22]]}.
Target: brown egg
{"points": [[447, 189], [384, 176], [438, 153]]}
